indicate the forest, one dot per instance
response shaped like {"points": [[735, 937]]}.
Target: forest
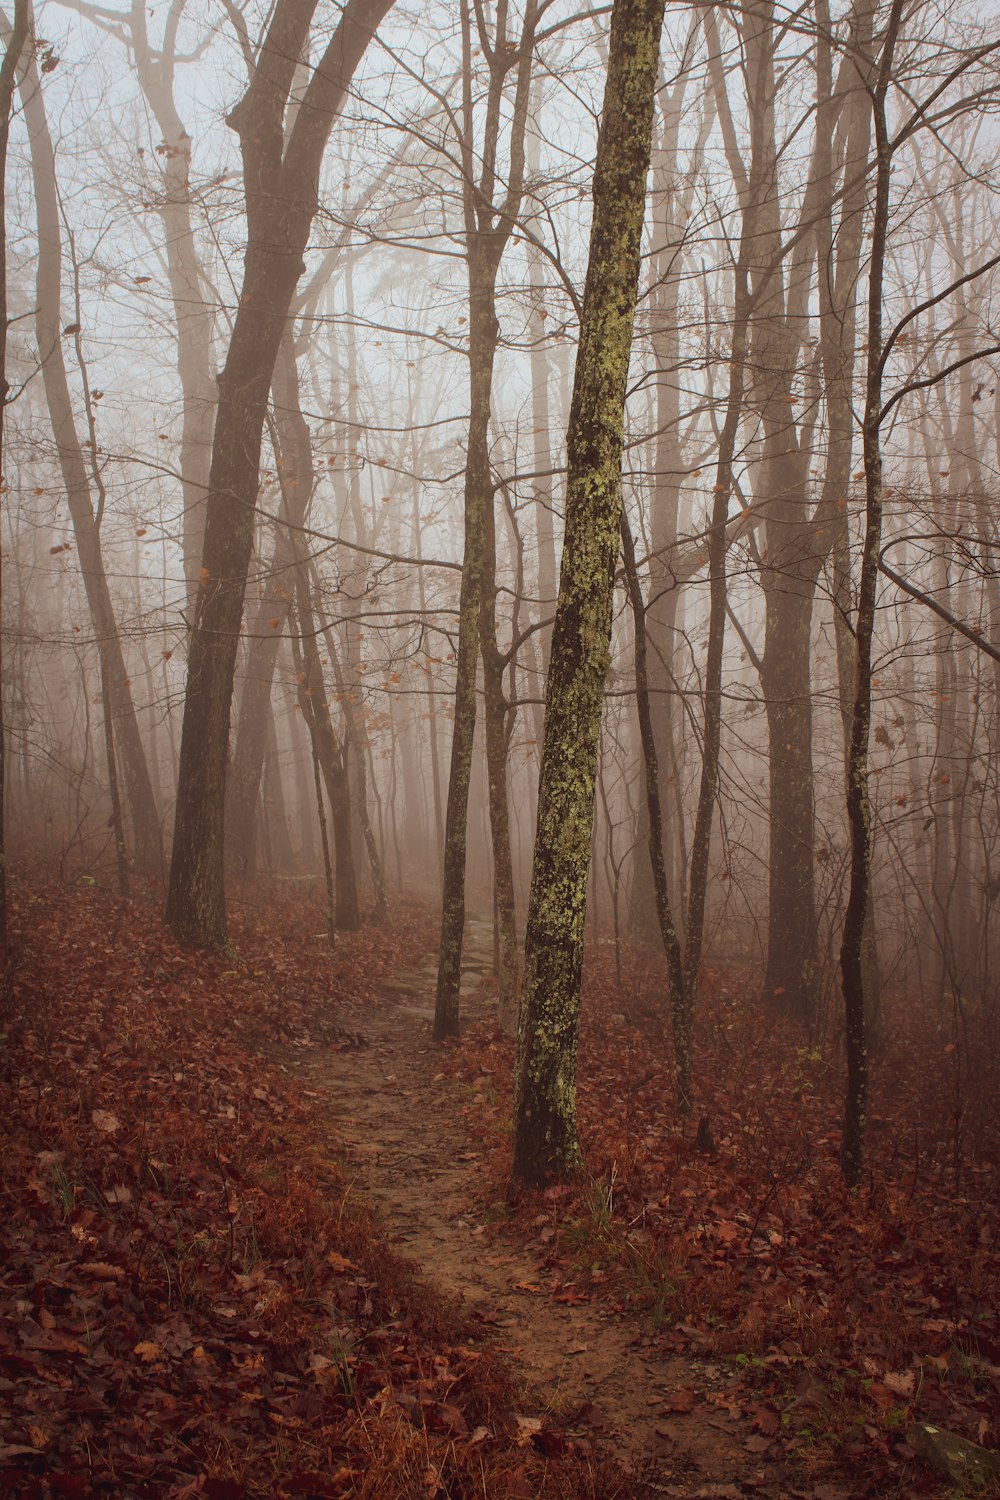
{"points": [[500, 749]]}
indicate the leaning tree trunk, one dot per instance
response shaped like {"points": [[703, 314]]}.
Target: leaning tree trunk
{"points": [[545, 1136], [73, 464], [282, 194]]}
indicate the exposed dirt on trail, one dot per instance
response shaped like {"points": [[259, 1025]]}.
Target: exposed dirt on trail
{"points": [[592, 1368]]}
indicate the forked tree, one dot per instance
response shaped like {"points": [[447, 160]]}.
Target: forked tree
{"points": [[281, 179]]}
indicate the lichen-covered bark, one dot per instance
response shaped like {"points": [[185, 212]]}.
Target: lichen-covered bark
{"points": [[545, 1138]]}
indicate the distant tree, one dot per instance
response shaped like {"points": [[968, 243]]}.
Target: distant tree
{"points": [[488, 225], [77, 472], [545, 1136]]}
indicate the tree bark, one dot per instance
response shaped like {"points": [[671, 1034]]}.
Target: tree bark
{"points": [[545, 1134], [73, 464], [13, 47], [282, 187], [487, 230], [270, 616], [858, 804]]}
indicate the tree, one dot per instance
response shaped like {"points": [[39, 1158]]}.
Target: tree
{"points": [[77, 474], [488, 227], [281, 179], [545, 1137], [13, 47]]}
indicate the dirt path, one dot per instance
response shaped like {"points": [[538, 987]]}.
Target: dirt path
{"points": [[401, 1119]]}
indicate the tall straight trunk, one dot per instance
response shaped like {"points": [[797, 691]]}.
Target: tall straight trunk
{"points": [[545, 1134], [295, 449], [789, 571], [839, 260], [431, 696], [541, 424], [497, 740], [271, 614], [76, 479], [357, 735], [671, 194], [281, 179], [487, 230], [117, 821], [654, 814], [701, 839], [302, 746], [14, 41], [858, 803], [282, 854], [331, 753], [799, 535], [190, 291], [483, 335]]}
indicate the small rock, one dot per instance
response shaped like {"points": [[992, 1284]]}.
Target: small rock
{"points": [[953, 1456]]}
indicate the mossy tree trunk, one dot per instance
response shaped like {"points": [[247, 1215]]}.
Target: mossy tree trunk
{"points": [[545, 1136], [281, 178]]}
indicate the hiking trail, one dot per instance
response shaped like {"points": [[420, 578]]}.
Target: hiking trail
{"points": [[594, 1370]]}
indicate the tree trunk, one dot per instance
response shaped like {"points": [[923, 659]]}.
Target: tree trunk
{"points": [[270, 616], [190, 291], [331, 754], [357, 735], [545, 1135], [282, 185], [73, 464], [487, 230], [483, 334], [14, 41], [858, 804], [497, 739]]}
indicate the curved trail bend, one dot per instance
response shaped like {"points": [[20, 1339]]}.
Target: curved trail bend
{"points": [[397, 1118]]}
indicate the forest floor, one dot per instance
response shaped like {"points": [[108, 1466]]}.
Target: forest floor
{"points": [[258, 1236], [595, 1369]]}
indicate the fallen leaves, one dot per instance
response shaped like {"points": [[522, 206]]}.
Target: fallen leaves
{"points": [[188, 1299], [842, 1310]]}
